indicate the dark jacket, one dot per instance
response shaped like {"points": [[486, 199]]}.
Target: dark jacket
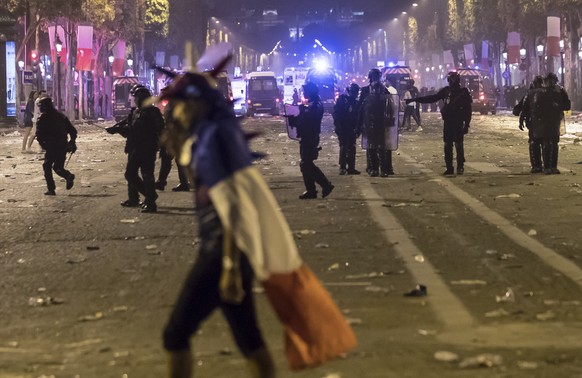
{"points": [[142, 130], [52, 130], [456, 110], [546, 107], [345, 116], [309, 121]]}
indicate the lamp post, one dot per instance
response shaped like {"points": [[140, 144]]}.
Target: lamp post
{"points": [[59, 48], [562, 60], [506, 73], [111, 58], [130, 62], [540, 51]]}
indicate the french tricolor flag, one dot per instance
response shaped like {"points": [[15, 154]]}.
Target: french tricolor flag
{"points": [[84, 48], [315, 329]]}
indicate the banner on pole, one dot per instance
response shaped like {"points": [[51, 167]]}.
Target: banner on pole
{"points": [[513, 44], [469, 54], [84, 48], [485, 55], [119, 58], [553, 40]]}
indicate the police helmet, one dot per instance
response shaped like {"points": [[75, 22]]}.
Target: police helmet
{"points": [[453, 78], [310, 90], [353, 89], [374, 74], [537, 82], [135, 88], [140, 94], [552, 78]]}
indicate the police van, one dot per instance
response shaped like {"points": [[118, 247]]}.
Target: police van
{"points": [[398, 76], [480, 85], [262, 93]]}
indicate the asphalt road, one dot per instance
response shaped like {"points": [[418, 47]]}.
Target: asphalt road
{"points": [[498, 249]]}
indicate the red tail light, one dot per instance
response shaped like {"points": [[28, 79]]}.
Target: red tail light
{"points": [[164, 103]]}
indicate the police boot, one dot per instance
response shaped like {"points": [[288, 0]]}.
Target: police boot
{"points": [[180, 364], [342, 160], [351, 159], [368, 161], [460, 147], [449, 159], [374, 163], [386, 163], [535, 157], [261, 364], [554, 166], [547, 155]]}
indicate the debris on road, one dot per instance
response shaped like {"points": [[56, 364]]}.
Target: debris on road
{"points": [[496, 313], [44, 301], [87, 318], [548, 315], [469, 282], [482, 360], [133, 220], [532, 232], [446, 356], [418, 291], [92, 248], [508, 296], [512, 195]]}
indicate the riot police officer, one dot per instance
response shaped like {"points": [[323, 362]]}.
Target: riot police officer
{"points": [[143, 134], [456, 113], [523, 110], [52, 130], [373, 122], [547, 106], [345, 120], [308, 129]]}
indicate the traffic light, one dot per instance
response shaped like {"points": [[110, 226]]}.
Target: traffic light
{"points": [[34, 60]]}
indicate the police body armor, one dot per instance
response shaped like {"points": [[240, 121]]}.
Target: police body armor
{"points": [[381, 119]]}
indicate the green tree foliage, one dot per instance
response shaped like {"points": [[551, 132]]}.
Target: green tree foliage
{"points": [[156, 17]]}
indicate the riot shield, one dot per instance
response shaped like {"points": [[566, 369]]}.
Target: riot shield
{"points": [[383, 132], [291, 120]]}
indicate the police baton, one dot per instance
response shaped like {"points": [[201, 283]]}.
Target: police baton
{"points": [[69, 159]]}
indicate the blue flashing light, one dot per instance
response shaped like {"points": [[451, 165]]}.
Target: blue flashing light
{"points": [[321, 65], [391, 64]]}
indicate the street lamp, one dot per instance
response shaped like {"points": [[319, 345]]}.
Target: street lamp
{"points": [[111, 58], [130, 61], [21, 64], [59, 48]]}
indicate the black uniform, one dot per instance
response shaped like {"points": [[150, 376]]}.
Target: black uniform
{"points": [[345, 120], [372, 122], [142, 130], [52, 130], [535, 144], [308, 129], [546, 106], [456, 113]]}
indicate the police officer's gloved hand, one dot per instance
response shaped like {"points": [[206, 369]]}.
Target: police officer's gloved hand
{"points": [[111, 130], [72, 146], [409, 100], [466, 128], [521, 126]]}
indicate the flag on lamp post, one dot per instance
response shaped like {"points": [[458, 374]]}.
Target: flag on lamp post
{"points": [[513, 43], [84, 48], [64, 51], [448, 57], [485, 55], [119, 58], [553, 40]]}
